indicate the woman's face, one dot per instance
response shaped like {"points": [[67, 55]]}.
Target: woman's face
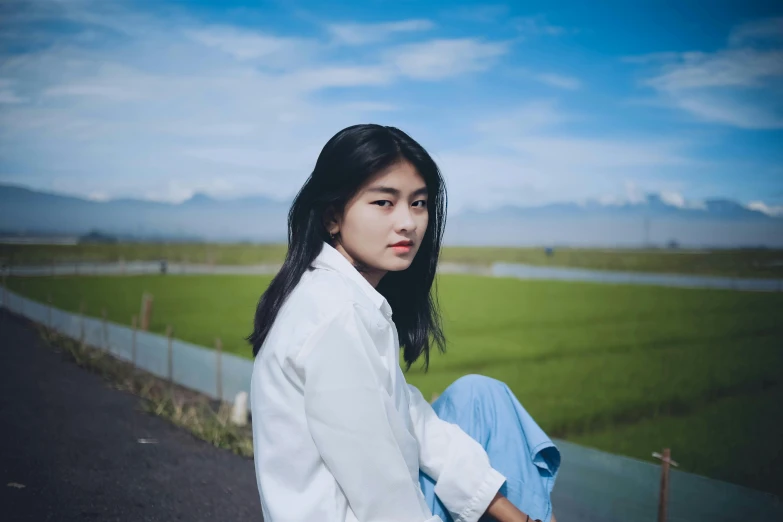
{"points": [[389, 208]]}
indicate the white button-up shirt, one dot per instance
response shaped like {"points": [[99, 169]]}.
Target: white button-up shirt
{"points": [[338, 434]]}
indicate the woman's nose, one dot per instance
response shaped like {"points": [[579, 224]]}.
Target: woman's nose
{"points": [[405, 221]]}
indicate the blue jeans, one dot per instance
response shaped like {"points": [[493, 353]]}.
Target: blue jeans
{"points": [[489, 412]]}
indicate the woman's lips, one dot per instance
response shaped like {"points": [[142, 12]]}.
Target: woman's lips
{"points": [[402, 248]]}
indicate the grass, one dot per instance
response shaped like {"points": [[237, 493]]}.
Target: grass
{"points": [[627, 369], [745, 428], [766, 263]]}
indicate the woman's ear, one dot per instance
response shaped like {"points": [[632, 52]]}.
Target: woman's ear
{"points": [[331, 221]]}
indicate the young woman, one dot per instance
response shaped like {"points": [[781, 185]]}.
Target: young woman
{"points": [[338, 434]]}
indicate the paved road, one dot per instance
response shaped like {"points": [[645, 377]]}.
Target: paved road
{"points": [[72, 442]]}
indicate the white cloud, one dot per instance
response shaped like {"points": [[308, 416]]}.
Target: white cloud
{"points": [[165, 112], [195, 127], [634, 193], [537, 26], [135, 104], [523, 119], [577, 153], [673, 199], [736, 86], [438, 59], [93, 90], [526, 155], [358, 34], [757, 30], [98, 196], [745, 115], [342, 76], [770, 210], [478, 13], [190, 107], [727, 68], [8, 96], [249, 45], [560, 81]]}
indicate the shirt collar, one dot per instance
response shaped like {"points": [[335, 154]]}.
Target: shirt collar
{"points": [[331, 259]]}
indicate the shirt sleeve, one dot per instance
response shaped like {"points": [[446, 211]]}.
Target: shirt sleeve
{"points": [[464, 480], [346, 415]]}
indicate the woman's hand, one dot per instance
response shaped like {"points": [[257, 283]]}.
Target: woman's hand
{"points": [[501, 510]]}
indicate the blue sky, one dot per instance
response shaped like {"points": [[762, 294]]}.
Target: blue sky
{"points": [[520, 103]]}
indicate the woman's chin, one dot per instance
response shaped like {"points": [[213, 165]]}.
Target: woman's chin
{"points": [[398, 264]]}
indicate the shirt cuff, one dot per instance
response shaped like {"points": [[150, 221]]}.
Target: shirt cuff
{"points": [[479, 503]]}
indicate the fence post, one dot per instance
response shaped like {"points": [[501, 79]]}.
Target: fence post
{"points": [[170, 372], [105, 332], [81, 333], [146, 310], [5, 290], [133, 340], [49, 313], [663, 498], [219, 366], [239, 409]]}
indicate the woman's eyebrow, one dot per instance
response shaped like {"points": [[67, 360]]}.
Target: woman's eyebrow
{"points": [[394, 192]]}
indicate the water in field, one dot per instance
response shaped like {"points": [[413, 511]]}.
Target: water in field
{"points": [[640, 278], [516, 270]]}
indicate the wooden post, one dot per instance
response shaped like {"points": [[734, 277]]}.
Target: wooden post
{"points": [[49, 313], [82, 337], [105, 332], [146, 311], [133, 340], [663, 498], [170, 372], [219, 368], [141, 311]]}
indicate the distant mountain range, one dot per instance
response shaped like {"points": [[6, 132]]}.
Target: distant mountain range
{"points": [[717, 222]]}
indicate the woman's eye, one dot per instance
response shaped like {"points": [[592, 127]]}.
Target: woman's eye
{"points": [[381, 202], [423, 203]]}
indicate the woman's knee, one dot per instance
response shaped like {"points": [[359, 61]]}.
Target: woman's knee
{"points": [[477, 384]]}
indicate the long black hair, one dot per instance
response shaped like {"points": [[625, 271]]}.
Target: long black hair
{"points": [[347, 160]]}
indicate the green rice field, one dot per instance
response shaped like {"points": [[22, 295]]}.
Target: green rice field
{"points": [[626, 369]]}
